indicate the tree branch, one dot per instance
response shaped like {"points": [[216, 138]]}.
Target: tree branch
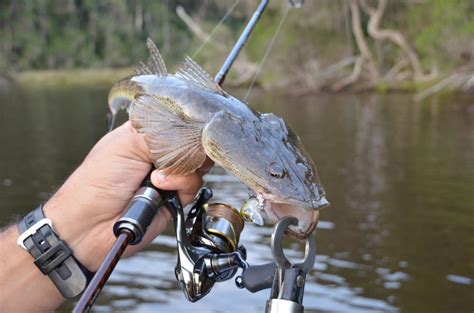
{"points": [[360, 40], [349, 80], [391, 35]]}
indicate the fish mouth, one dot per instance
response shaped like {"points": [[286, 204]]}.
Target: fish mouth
{"points": [[311, 205], [306, 212]]}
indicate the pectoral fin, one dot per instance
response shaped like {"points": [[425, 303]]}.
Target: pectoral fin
{"points": [[174, 139]]}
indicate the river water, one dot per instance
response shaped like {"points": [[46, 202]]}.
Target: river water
{"points": [[399, 236]]}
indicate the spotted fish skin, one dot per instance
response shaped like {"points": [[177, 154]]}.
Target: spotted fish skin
{"points": [[186, 118]]}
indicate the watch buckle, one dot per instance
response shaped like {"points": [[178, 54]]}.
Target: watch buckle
{"points": [[33, 230]]}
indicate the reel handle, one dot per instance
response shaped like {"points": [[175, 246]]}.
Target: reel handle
{"points": [[259, 277]]}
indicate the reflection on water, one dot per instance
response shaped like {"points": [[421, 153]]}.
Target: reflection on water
{"points": [[399, 175]]}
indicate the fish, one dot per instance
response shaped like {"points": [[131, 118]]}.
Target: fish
{"points": [[187, 118]]}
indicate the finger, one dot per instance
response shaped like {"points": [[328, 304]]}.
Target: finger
{"points": [[187, 186]]}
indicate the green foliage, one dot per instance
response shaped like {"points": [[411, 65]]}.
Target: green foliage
{"points": [[85, 33], [443, 31], [54, 34]]}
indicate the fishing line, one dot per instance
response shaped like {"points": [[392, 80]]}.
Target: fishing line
{"points": [[229, 11], [267, 52]]}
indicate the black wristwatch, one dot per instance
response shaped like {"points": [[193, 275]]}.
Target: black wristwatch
{"points": [[52, 255]]}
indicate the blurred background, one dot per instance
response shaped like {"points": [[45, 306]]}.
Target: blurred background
{"points": [[381, 93]]}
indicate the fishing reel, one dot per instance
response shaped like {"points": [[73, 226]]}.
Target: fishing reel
{"points": [[207, 243], [209, 252]]}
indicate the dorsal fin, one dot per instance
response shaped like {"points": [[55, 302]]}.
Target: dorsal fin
{"points": [[194, 74], [155, 64]]}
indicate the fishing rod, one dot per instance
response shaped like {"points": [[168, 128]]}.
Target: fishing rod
{"points": [[207, 240], [221, 75]]}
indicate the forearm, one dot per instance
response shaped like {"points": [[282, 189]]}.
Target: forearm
{"points": [[23, 288]]}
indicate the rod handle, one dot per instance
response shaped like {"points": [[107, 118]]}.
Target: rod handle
{"points": [[141, 210]]}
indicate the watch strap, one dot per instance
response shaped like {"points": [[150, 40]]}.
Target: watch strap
{"points": [[52, 255]]}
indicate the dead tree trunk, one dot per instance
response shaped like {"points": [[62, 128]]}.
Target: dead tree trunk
{"points": [[367, 57], [375, 17]]}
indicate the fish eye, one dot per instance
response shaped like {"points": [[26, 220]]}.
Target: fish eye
{"points": [[276, 170]]}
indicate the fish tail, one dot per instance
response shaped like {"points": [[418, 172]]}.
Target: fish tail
{"points": [[126, 90], [120, 97], [110, 121]]}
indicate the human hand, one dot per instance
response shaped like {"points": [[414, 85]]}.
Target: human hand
{"points": [[85, 208]]}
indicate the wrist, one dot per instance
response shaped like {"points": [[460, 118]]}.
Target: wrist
{"points": [[88, 245], [52, 255], [20, 277], [88, 236]]}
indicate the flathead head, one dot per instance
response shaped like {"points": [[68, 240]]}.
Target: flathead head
{"points": [[271, 161]]}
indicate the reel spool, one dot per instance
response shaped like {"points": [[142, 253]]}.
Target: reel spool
{"points": [[223, 224]]}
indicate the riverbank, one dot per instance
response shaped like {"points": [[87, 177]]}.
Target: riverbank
{"points": [[108, 76], [71, 77]]}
